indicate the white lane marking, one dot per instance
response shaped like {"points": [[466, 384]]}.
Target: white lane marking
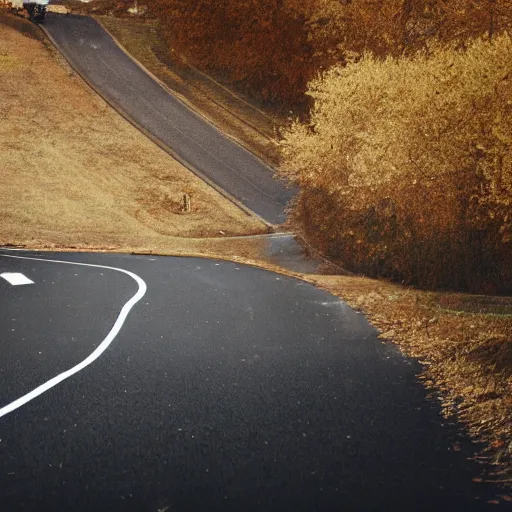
{"points": [[97, 352], [16, 278]]}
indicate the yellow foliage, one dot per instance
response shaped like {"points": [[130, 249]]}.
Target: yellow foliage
{"points": [[405, 166]]}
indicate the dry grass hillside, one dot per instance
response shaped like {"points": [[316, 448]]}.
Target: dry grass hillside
{"points": [[80, 175]]}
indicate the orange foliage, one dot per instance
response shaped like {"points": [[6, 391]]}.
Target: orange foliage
{"points": [[272, 48], [260, 45]]}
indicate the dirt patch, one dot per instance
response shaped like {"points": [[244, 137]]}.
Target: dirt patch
{"points": [[79, 174]]}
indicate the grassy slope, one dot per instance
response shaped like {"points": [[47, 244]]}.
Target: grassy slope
{"points": [[80, 175]]}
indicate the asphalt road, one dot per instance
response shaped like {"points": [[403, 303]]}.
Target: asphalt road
{"points": [[225, 387], [93, 53]]}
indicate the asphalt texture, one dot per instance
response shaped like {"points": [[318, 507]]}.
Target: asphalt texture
{"points": [[204, 149], [227, 388]]}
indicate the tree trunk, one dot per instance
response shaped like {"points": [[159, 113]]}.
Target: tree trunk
{"points": [[405, 15], [492, 21]]}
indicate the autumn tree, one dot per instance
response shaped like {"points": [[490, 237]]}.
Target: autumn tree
{"points": [[405, 166], [272, 48], [259, 45]]}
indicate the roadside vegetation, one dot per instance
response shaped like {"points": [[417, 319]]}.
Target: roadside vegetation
{"points": [[275, 47], [402, 144], [405, 167]]}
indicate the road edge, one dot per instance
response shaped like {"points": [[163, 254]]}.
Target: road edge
{"points": [[191, 106], [270, 227]]}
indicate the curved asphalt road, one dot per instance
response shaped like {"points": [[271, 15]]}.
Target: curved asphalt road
{"points": [[200, 146], [227, 388]]}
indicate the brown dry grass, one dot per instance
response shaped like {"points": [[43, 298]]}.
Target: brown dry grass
{"points": [[77, 174]]}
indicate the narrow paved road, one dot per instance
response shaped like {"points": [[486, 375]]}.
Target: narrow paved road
{"points": [[93, 53], [226, 388]]}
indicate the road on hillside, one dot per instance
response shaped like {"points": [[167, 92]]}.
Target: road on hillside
{"points": [[93, 53], [137, 383]]}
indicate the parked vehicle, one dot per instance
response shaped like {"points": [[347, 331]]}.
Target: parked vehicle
{"points": [[36, 9]]}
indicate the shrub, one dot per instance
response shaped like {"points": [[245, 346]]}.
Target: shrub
{"points": [[405, 167]]}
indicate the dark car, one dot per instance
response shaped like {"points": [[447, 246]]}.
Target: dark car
{"points": [[36, 11]]}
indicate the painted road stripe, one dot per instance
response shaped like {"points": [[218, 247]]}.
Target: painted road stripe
{"points": [[101, 347], [16, 279]]}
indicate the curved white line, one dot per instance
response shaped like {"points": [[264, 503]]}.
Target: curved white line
{"points": [[97, 352]]}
